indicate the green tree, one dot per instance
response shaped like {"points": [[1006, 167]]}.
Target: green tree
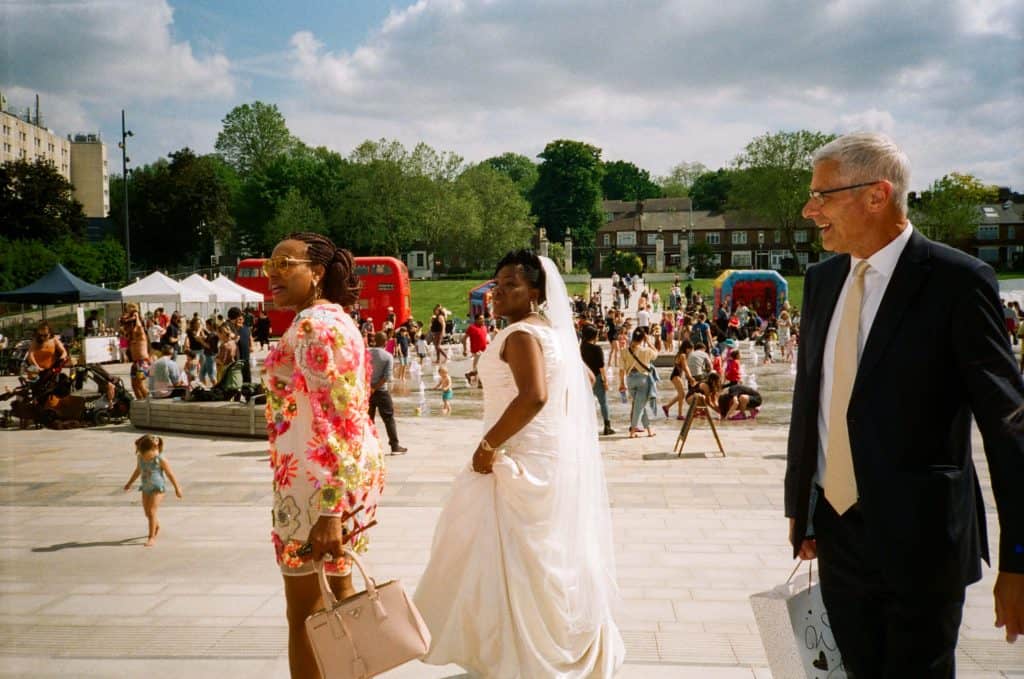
{"points": [[295, 213], [701, 254], [36, 203], [677, 183], [520, 169], [177, 209], [319, 175], [950, 210], [397, 198], [24, 260], [568, 192], [622, 263], [772, 178], [625, 181], [252, 135], [378, 210], [448, 221], [423, 160], [710, 191], [504, 215]]}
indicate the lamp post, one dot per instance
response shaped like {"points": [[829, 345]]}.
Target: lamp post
{"points": [[125, 133]]}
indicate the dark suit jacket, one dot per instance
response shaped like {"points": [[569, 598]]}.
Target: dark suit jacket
{"points": [[937, 353]]}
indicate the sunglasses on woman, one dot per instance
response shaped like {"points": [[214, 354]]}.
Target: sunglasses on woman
{"points": [[281, 264]]}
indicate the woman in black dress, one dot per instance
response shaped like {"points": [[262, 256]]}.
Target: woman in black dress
{"points": [[437, 326]]}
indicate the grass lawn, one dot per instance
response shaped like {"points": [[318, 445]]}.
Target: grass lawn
{"points": [[454, 295]]}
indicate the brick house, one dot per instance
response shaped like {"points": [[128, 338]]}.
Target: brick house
{"points": [[737, 242], [999, 239]]}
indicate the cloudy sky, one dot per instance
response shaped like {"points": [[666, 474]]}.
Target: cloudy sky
{"points": [[655, 82]]}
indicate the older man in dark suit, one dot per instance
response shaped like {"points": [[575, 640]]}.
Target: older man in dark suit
{"points": [[901, 342]]}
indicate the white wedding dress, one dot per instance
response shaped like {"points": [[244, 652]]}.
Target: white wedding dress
{"points": [[521, 575]]}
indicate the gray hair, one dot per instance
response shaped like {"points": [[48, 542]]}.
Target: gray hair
{"points": [[869, 156]]}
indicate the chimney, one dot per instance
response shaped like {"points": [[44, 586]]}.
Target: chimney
{"points": [[39, 118]]}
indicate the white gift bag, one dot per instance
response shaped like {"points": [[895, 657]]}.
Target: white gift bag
{"points": [[795, 631]]}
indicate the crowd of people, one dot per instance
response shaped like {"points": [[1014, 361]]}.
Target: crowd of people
{"points": [[705, 344], [153, 341]]}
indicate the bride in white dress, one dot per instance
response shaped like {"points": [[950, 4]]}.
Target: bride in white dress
{"points": [[521, 579]]}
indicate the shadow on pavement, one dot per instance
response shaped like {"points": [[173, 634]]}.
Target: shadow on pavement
{"points": [[673, 456], [247, 453], [127, 542]]}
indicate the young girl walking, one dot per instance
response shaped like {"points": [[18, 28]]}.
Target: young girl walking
{"points": [[153, 468]]}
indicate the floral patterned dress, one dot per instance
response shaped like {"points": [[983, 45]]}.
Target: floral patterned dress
{"points": [[324, 450]]}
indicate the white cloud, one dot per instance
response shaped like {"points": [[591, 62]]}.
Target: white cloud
{"points": [[871, 120], [97, 49], [667, 80]]}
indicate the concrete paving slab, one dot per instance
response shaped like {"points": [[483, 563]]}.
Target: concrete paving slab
{"points": [[80, 596]]}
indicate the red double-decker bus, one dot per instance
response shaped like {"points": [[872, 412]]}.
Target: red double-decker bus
{"points": [[384, 281]]}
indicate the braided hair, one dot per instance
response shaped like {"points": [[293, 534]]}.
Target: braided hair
{"points": [[529, 264], [340, 283]]}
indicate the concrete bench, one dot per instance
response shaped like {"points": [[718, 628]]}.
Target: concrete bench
{"points": [[225, 418], [665, 360]]}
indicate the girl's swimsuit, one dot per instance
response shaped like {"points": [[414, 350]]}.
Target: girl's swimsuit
{"points": [[152, 475]]}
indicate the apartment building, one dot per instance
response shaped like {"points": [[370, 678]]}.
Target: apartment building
{"points": [[24, 137], [89, 174]]}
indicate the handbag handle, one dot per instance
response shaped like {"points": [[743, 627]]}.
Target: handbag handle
{"points": [[330, 601]]}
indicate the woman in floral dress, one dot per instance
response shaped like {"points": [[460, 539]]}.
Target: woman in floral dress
{"points": [[327, 461]]}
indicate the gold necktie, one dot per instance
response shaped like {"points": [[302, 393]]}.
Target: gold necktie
{"points": [[840, 482]]}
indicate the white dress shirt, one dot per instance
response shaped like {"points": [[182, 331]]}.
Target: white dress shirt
{"points": [[881, 265]]}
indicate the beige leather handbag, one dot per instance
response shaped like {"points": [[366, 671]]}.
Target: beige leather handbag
{"points": [[366, 634]]}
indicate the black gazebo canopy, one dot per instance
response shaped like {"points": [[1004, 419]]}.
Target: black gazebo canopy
{"points": [[60, 286]]}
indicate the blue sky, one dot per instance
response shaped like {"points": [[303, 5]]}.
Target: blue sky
{"points": [[655, 82]]}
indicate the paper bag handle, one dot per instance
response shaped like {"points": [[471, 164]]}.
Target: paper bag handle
{"points": [[810, 571]]}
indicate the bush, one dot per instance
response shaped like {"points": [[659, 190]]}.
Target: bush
{"points": [[622, 263], [23, 261]]}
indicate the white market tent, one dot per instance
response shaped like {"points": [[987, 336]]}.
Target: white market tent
{"points": [[218, 299], [230, 287], [156, 288], [218, 295]]}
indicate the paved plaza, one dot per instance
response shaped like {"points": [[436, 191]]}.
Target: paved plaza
{"points": [[695, 536]]}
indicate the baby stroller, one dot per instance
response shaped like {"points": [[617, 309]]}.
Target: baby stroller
{"points": [[12, 359], [113, 403], [44, 398]]}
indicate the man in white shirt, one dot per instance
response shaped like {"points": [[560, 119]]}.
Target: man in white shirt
{"points": [[643, 318], [165, 377]]}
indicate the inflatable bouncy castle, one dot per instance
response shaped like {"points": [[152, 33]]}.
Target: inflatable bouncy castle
{"points": [[763, 290]]}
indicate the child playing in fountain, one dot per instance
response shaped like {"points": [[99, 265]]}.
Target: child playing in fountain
{"points": [[153, 468], [444, 385]]}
